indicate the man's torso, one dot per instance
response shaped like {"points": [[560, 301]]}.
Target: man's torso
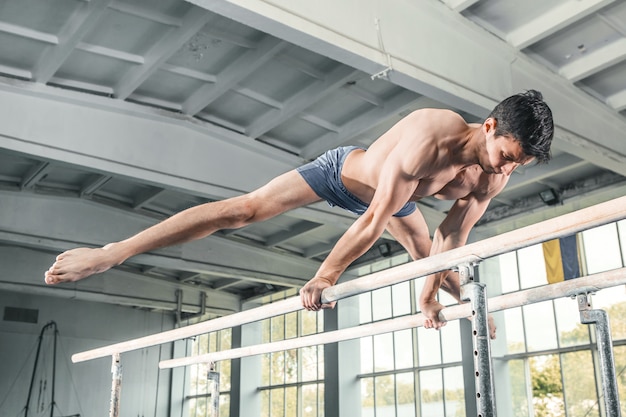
{"points": [[441, 178]]}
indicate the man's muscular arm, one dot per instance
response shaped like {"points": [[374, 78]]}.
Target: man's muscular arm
{"points": [[395, 187], [452, 233]]}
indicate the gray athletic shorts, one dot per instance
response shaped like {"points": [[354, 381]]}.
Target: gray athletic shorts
{"points": [[324, 176]]}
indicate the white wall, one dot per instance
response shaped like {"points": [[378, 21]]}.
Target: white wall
{"points": [[83, 388]]}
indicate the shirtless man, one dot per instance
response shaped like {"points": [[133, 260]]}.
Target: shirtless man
{"points": [[431, 152]]}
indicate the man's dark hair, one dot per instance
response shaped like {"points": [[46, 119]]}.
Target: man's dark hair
{"points": [[528, 119]]}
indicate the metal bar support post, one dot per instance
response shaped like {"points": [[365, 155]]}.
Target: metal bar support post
{"points": [[476, 293], [116, 385], [600, 318], [214, 381]]}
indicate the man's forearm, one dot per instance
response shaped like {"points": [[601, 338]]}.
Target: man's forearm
{"points": [[431, 287], [445, 280], [451, 284], [354, 243]]}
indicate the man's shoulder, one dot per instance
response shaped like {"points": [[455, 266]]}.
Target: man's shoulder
{"points": [[436, 113], [433, 123]]}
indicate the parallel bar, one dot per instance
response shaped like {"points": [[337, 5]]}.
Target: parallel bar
{"points": [[386, 326], [224, 322], [607, 362], [485, 394], [564, 225], [116, 385], [214, 382], [533, 295], [550, 229]]}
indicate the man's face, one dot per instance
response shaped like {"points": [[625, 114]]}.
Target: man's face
{"points": [[504, 153]]}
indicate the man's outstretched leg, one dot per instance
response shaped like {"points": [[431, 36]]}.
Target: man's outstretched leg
{"points": [[283, 193]]}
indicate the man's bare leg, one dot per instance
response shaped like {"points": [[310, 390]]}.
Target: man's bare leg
{"points": [[283, 193], [412, 233]]}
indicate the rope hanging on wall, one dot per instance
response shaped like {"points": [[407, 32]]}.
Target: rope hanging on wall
{"points": [[47, 375]]}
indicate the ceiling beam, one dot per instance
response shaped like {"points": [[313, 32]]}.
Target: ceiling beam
{"points": [[459, 5], [317, 250], [38, 172], [28, 33], [191, 23], [146, 13], [155, 102], [221, 122], [143, 199], [70, 36], [231, 38], [223, 284], [188, 72], [617, 101], [594, 62], [302, 100], [363, 94], [361, 123], [94, 183], [318, 121], [555, 19], [297, 230], [590, 151], [301, 66], [256, 96], [103, 90], [128, 139], [234, 73], [211, 267], [16, 72], [111, 53]]}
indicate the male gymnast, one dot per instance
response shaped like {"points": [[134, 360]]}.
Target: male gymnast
{"points": [[430, 152]]}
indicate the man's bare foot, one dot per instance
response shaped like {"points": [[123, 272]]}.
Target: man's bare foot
{"points": [[77, 264]]}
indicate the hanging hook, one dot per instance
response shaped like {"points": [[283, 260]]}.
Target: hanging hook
{"points": [[385, 72]]}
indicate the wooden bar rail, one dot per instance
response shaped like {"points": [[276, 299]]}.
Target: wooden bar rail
{"points": [[569, 288], [564, 225]]}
